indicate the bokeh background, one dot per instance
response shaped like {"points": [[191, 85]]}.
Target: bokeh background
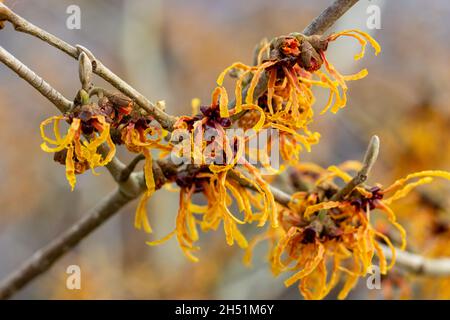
{"points": [[173, 50]]}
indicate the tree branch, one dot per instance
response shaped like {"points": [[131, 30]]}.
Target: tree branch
{"points": [[37, 82], [115, 167], [370, 157], [22, 25], [329, 16], [369, 160], [418, 264], [44, 258], [126, 172], [280, 196], [167, 121]]}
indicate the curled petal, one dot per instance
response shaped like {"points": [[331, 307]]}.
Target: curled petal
{"points": [[63, 144], [308, 268], [70, 168]]}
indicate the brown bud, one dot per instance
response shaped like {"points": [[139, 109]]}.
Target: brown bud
{"points": [[318, 42], [106, 107], [120, 100]]}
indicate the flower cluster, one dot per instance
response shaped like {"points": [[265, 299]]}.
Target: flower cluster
{"points": [[78, 150], [113, 119], [292, 65], [212, 171], [324, 240], [285, 104], [322, 235]]}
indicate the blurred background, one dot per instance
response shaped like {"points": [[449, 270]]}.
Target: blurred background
{"points": [[173, 50]]}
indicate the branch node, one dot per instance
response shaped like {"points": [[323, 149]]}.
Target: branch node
{"points": [[89, 54], [126, 172]]}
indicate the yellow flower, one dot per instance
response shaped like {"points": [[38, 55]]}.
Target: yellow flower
{"points": [[219, 193], [287, 107], [325, 240], [292, 66], [225, 154], [215, 167], [136, 138], [79, 150]]}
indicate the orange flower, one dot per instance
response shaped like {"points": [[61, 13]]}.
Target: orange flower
{"points": [[79, 153], [319, 235], [292, 66], [224, 154], [220, 193], [213, 168], [140, 137]]}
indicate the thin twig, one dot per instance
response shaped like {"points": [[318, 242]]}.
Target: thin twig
{"points": [[418, 264], [167, 121], [115, 167], [280, 196], [44, 258], [369, 160], [328, 17], [37, 82], [22, 25]]}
